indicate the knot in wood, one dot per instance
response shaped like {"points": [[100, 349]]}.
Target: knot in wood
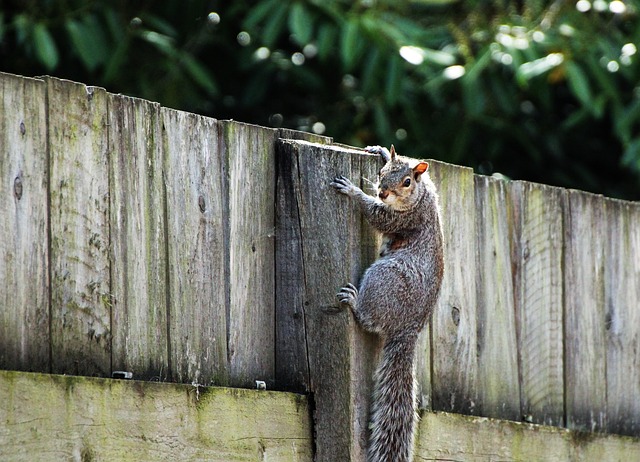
{"points": [[17, 187], [455, 315], [201, 204], [23, 129]]}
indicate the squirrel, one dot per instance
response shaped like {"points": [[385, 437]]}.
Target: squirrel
{"points": [[397, 293]]}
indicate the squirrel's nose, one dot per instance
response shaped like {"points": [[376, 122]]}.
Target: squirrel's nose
{"points": [[383, 194]]}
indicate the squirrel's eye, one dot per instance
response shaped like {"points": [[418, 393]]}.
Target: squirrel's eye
{"points": [[406, 182]]}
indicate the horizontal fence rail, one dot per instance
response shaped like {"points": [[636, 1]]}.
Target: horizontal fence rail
{"points": [[178, 247]]}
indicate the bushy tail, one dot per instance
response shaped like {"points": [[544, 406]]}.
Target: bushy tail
{"points": [[393, 413]]}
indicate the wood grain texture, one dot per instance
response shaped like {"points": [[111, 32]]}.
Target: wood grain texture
{"points": [[499, 392], [194, 176], [138, 239], [452, 437], [249, 151], [454, 328], [292, 367], [538, 285], [79, 200], [584, 315], [48, 417], [622, 316], [340, 356], [24, 259]]}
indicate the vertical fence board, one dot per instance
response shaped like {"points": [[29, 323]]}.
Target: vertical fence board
{"points": [[291, 364], [79, 188], [139, 278], [537, 260], [330, 256], [250, 153], [24, 259], [498, 350], [584, 331], [454, 327], [622, 316], [194, 175]]}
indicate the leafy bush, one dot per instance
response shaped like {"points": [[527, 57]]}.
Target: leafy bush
{"points": [[539, 90]]}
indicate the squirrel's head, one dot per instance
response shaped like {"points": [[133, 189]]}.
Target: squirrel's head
{"points": [[398, 181]]}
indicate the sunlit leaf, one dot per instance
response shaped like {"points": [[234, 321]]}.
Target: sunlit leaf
{"points": [[45, 47], [441, 58], [381, 120], [371, 71], [327, 35], [88, 41], [300, 23], [274, 25], [161, 42], [393, 87], [578, 83], [22, 23], [531, 69], [350, 43]]}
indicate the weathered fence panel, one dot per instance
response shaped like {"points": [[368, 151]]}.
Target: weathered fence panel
{"points": [[584, 316], [79, 214], [194, 172], [183, 248], [454, 327], [499, 393], [621, 242], [251, 176], [138, 239], [24, 233], [326, 239], [48, 417], [537, 263]]}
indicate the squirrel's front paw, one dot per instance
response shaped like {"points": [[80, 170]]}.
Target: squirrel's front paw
{"points": [[344, 186], [348, 295], [381, 151]]}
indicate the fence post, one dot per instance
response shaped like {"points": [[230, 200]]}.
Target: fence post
{"points": [[323, 255]]}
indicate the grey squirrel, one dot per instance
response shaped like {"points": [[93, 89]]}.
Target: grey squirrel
{"points": [[397, 293]]}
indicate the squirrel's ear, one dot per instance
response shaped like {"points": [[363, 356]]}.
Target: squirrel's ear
{"points": [[420, 169], [392, 152]]}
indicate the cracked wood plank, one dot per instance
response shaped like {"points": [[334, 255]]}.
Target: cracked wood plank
{"points": [[80, 267], [329, 253], [196, 210], [24, 254], [138, 239], [538, 286]]}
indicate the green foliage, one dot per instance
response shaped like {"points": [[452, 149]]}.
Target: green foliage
{"points": [[539, 90]]}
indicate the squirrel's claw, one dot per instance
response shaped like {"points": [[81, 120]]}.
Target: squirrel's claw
{"points": [[348, 295], [381, 151], [343, 185]]}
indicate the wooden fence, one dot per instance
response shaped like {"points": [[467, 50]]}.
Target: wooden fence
{"points": [[135, 237]]}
